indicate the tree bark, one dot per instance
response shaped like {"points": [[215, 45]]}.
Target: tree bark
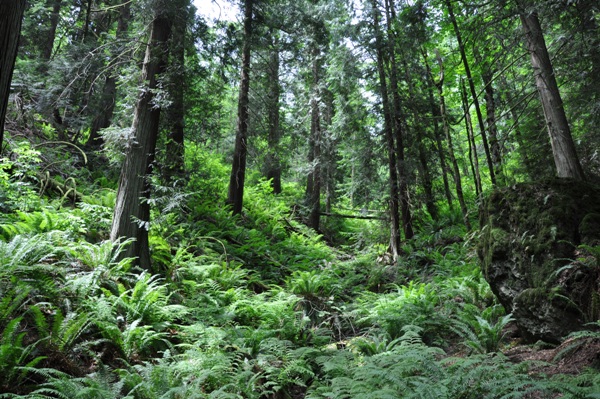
{"points": [[175, 154], [109, 91], [399, 134], [435, 111], [490, 107], [446, 127], [235, 195], [419, 136], [47, 44], [313, 181], [11, 16], [131, 217], [563, 147], [273, 162], [389, 138], [473, 157], [465, 61]]}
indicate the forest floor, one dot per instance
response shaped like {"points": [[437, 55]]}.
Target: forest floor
{"points": [[570, 357]]}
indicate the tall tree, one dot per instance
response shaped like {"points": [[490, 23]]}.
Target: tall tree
{"points": [[313, 182], [563, 147], [131, 217], [175, 151], [235, 195], [273, 167], [463, 56], [446, 126], [435, 111], [47, 42], [397, 117], [108, 98], [11, 16], [388, 134]]}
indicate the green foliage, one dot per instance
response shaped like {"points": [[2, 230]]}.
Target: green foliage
{"points": [[483, 331], [15, 357], [18, 175]]}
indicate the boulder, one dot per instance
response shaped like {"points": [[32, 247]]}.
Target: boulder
{"points": [[537, 253]]}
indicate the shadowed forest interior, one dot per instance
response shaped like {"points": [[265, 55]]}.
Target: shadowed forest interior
{"points": [[285, 199]]}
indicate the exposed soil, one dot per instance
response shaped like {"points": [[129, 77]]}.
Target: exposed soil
{"points": [[571, 357]]}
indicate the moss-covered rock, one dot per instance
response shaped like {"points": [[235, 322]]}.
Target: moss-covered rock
{"points": [[529, 233]]}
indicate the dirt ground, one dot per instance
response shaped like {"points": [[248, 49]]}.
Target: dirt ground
{"points": [[571, 357]]}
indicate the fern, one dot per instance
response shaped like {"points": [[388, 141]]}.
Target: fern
{"points": [[15, 358]]}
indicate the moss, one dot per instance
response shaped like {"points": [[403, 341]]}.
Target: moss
{"points": [[531, 230]]}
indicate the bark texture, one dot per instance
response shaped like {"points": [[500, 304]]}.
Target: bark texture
{"points": [[313, 182], [109, 92], [235, 195], [175, 154], [389, 139], [563, 147], [273, 162], [466, 64], [11, 15], [131, 217]]}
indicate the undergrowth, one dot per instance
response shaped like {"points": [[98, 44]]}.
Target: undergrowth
{"points": [[252, 306]]}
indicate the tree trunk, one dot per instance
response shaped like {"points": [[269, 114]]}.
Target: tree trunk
{"points": [[446, 126], [435, 111], [490, 107], [273, 162], [473, 157], [131, 217], [109, 92], [313, 182], [389, 138], [11, 16], [465, 61], [47, 44], [398, 128], [235, 195], [563, 147], [174, 159], [419, 136], [328, 149]]}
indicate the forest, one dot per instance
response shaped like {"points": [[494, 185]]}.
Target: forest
{"points": [[288, 199]]}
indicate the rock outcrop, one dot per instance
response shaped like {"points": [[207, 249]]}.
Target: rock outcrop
{"points": [[537, 252]]}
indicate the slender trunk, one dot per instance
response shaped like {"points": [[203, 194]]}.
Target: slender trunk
{"points": [[446, 127], [174, 162], [328, 150], [523, 151], [465, 61], [473, 157], [389, 138], [131, 217], [273, 162], [109, 91], [47, 44], [235, 195], [563, 147], [435, 111], [419, 136], [88, 16], [11, 16], [399, 134], [313, 184], [490, 107]]}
